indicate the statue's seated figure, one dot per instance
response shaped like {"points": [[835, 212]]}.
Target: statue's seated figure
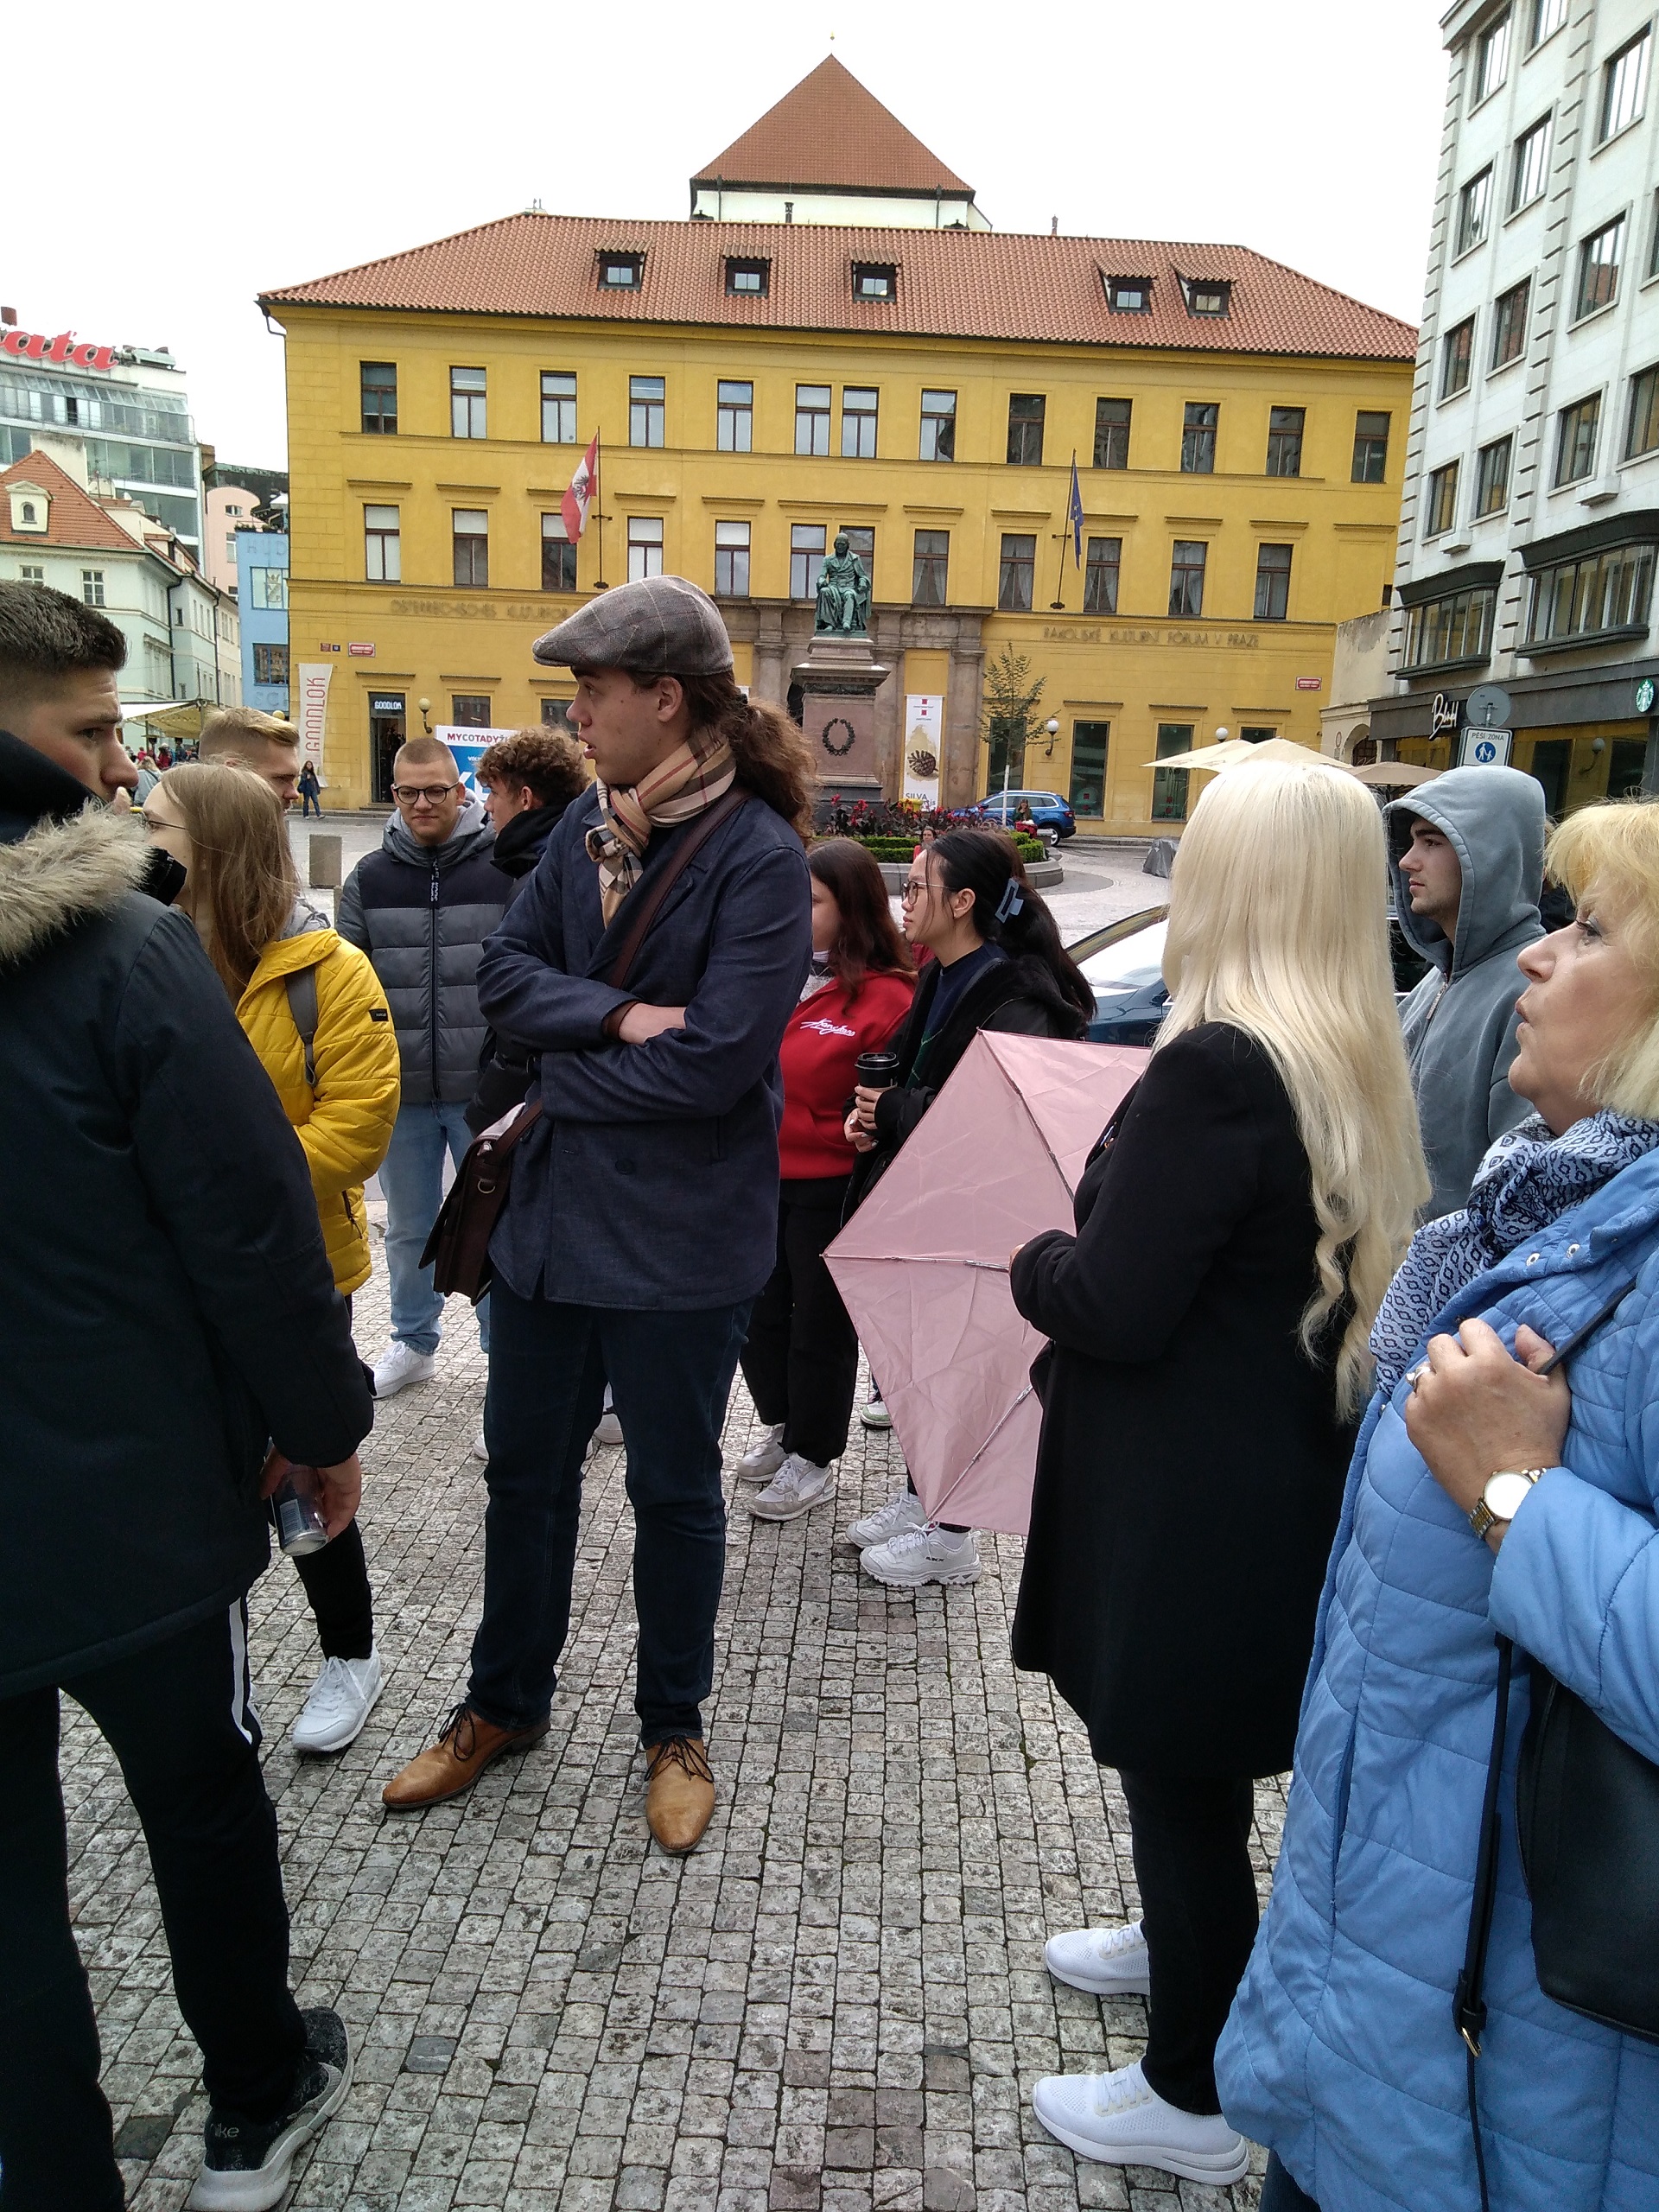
{"points": [[843, 593]]}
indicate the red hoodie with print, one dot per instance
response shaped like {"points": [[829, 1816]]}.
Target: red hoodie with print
{"points": [[822, 1038]]}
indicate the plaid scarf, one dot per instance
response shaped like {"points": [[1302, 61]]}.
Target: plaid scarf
{"points": [[677, 789]]}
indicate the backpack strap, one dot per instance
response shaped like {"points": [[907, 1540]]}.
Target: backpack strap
{"points": [[302, 989]]}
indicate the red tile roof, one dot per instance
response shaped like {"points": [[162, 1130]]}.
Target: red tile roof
{"points": [[951, 284], [830, 130], [75, 520]]}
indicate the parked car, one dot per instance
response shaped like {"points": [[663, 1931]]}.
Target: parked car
{"points": [[1051, 815]]}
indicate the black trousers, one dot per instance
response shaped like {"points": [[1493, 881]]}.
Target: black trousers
{"points": [[178, 1718], [801, 1359], [336, 1585], [1279, 2193], [1190, 1836]]}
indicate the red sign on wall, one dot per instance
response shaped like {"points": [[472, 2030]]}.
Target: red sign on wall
{"points": [[1310, 683], [65, 350], [362, 652]]}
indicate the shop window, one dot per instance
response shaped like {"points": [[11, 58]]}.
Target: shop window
{"points": [[1551, 763], [1089, 743], [1169, 785], [271, 663]]}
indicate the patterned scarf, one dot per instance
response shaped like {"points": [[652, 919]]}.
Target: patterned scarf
{"points": [[1527, 1181], [676, 789]]}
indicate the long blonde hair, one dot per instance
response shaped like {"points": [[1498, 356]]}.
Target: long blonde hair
{"points": [[1607, 855], [243, 881], [1278, 924]]}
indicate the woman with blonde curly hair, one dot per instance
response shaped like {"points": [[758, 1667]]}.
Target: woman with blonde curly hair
{"points": [[1237, 1227]]}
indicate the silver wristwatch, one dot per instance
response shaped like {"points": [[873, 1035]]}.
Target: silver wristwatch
{"points": [[1501, 1499]]}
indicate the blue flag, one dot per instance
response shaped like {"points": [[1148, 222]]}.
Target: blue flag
{"points": [[1075, 513]]}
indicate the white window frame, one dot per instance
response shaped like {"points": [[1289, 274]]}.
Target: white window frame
{"points": [[645, 547]]}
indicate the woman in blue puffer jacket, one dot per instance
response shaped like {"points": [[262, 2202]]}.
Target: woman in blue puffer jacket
{"points": [[1341, 2052]]}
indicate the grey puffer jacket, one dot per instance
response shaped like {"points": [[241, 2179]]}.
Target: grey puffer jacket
{"points": [[421, 913], [1459, 1023]]}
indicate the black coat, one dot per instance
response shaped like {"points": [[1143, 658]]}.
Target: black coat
{"points": [[166, 1304], [506, 1070], [1191, 1462]]}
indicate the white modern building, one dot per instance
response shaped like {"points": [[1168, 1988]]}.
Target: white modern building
{"points": [[1531, 520]]}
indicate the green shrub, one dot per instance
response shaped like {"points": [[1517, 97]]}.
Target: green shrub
{"points": [[900, 849]]}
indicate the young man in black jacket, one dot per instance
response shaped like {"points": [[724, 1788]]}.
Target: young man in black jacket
{"points": [[146, 1170]]}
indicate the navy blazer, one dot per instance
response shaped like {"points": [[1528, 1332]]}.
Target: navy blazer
{"points": [[651, 1180]]}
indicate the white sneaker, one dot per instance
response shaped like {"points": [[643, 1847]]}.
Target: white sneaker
{"points": [[900, 1512], [764, 1457], [399, 1366], [1117, 2119], [797, 1486], [341, 1700], [916, 1556], [608, 1432], [873, 1413], [481, 1449], [1106, 1961]]}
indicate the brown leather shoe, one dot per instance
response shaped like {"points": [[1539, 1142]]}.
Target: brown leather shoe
{"points": [[466, 1742], [679, 1792]]}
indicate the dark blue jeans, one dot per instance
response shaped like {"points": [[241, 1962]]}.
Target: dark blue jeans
{"points": [[670, 1376], [1279, 2193]]}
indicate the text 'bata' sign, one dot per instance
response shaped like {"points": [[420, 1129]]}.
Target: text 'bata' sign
{"points": [[66, 350]]}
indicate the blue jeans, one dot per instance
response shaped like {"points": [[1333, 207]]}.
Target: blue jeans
{"points": [[672, 1375], [412, 1175]]}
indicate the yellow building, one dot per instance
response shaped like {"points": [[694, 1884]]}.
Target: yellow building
{"points": [[758, 386]]}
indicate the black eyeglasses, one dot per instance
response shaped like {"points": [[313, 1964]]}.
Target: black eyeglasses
{"points": [[412, 794]]}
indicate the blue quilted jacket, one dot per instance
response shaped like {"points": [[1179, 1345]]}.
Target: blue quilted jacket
{"points": [[1340, 2052]]}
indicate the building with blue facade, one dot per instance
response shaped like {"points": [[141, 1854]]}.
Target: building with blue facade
{"points": [[262, 598]]}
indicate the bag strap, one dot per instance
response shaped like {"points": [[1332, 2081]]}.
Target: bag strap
{"points": [[686, 850], [1468, 2005], [302, 989]]}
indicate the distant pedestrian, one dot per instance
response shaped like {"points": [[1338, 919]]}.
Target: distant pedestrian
{"points": [[421, 908], [310, 791], [148, 1182], [315, 1012], [249, 739], [1467, 852], [641, 1220], [998, 964], [1237, 1226], [800, 1359]]}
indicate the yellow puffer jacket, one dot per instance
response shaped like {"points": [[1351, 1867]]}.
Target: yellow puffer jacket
{"points": [[344, 1124]]}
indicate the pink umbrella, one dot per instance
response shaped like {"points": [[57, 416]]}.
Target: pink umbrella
{"points": [[922, 1265]]}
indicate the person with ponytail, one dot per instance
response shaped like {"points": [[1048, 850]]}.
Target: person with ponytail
{"points": [[1237, 1227], [998, 964]]}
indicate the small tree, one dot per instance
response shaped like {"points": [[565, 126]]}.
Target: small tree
{"points": [[1007, 709]]}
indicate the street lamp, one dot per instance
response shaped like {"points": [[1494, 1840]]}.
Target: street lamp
{"points": [[1051, 730], [425, 706]]}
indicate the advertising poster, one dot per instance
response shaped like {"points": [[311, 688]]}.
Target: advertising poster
{"points": [[923, 745], [311, 715], [469, 747]]}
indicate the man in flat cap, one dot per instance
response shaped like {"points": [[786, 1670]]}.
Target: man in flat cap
{"points": [[641, 1219]]}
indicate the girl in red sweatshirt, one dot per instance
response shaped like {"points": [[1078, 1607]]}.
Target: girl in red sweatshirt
{"points": [[801, 1359]]}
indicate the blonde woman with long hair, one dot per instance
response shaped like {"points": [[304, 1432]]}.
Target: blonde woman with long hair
{"points": [[1237, 1227], [315, 1014]]}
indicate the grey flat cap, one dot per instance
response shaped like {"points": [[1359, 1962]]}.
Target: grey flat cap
{"points": [[661, 625]]}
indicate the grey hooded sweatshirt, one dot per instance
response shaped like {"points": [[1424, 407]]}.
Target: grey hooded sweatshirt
{"points": [[1460, 1022]]}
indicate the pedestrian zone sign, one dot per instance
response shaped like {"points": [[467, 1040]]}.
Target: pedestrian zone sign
{"points": [[1485, 748]]}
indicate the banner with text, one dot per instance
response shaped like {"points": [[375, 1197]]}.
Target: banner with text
{"points": [[469, 746], [923, 745], [311, 718]]}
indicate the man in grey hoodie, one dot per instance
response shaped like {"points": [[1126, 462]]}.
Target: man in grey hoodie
{"points": [[1467, 857]]}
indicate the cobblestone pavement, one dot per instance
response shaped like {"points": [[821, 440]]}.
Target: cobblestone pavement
{"points": [[838, 2002]]}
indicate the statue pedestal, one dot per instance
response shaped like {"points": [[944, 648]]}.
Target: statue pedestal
{"points": [[838, 681]]}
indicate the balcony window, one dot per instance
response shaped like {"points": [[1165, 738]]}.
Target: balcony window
{"points": [[1112, 433], [1272, 583], [467, 404], [1440, 509], [1530, 171], [858, 411], [1587, 599], [1509, 323], [645, 547], [938, 426], [1491, 60], [1099, 575], [812, 418], [558, 556], [1457, 358], [1599, 255], [928, 577], [1370, 447], [380, 393], [1025, 413], [1187, 576], [470, 529], [806, 545], [1474, 212], [558, 407], [382, 543], [1492, 477], [1017, 569], [1641, 427], [1455, 628], [1285, 441], [734, 417], [1624, 86], [1198, 437], [731, 560], [1575, 439], [647, 411]]}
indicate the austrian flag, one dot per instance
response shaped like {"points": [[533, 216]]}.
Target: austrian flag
{"points": [[584, 485]]}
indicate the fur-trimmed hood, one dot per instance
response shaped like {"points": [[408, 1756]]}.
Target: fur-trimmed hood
{"points": [[60, 872]]}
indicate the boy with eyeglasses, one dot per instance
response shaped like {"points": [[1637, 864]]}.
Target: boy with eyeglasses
{"points": [[421, 908]]}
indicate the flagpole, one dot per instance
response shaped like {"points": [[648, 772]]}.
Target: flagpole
{"points": [[599, 506]]}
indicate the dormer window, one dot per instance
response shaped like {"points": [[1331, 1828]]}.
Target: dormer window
{"points": [[1206, 294], [1129, 295], [747, 279], [620, 272], [29, 510], [874, 280]]}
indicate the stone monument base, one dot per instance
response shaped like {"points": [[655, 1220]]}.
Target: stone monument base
{"points": [[838, 682]]}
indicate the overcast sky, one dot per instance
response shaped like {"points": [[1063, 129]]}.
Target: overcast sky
{"points": [[208, 153]]}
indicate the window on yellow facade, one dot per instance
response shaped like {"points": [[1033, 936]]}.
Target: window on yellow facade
{"points": [[1169, 785], [558, 556], [1015, 573], [1112, 433], [1025, 412], [1272, 583], [734, 417], [645, 547], [812, 418], [1186, 575], [558, 407], [470, 528], [467, 404], [1099, 575], [928, 572], [938, 426], [731, 560], [470, 709], [380, 394], [1198, 424], [858, 411], [1285, 426], [806, 549], [1089, 741], [1371, 447], [646, 411], [382, 546]]}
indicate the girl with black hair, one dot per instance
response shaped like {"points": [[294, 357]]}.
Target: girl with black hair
{"points": [[997, 964]]}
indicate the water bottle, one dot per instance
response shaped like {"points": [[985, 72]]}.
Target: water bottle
{"points": [[876, 1070], [296, 1498]]}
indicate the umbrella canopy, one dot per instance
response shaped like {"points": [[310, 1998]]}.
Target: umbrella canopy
{"points": [[922, 1265], [1392, 775], [1233, 752]]}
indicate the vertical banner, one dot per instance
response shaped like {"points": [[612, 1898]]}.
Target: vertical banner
{"points": [[312, 718], [923, 745]]}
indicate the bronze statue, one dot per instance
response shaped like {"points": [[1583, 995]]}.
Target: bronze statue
{"points": [[843, 594]]}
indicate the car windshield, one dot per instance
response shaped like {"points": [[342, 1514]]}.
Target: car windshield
{"points": [[1124, 955]]}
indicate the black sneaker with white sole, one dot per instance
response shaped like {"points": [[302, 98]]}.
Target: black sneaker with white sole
{"points": [[247, 2164]]}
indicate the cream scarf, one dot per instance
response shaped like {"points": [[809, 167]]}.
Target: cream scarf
{"points": [[679, 789]]}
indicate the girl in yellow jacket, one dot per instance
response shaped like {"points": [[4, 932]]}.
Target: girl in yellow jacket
{"points": [[314, 1012]]}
